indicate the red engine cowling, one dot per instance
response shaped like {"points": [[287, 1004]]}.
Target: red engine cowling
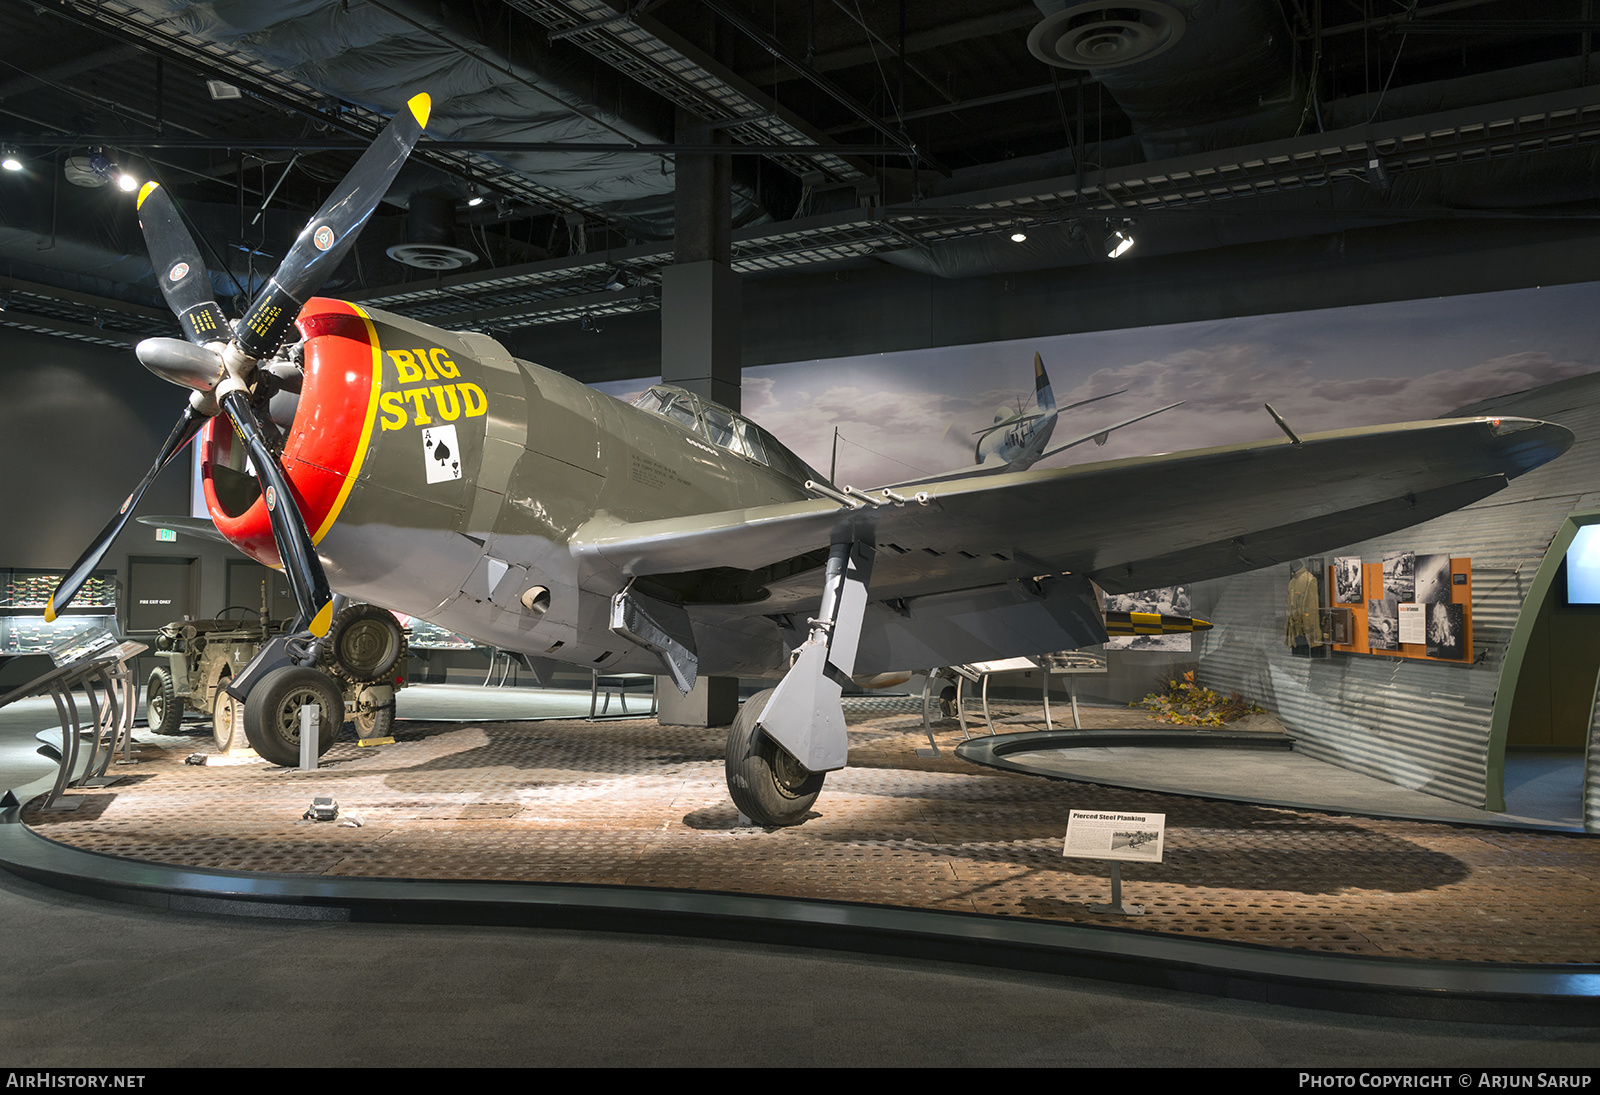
{"points": [[327, 441]]}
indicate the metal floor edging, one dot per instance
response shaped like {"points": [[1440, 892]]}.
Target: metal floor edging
{"points": [[1535, 994]]}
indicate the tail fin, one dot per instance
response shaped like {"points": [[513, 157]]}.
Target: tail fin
{"points": [[1042, 395]]}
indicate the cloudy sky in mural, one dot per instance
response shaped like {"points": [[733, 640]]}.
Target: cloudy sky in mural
{"points": [[916, 411]]}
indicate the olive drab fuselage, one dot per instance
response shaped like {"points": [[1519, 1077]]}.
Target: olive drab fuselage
{"points": [[442, 478]]}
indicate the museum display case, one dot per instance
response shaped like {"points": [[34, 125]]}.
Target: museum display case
{"points": [[24, 595]]}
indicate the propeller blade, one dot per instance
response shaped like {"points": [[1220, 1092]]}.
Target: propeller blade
{"points": [[328, 236], [180, 271], [188, 425], [299, 557]]}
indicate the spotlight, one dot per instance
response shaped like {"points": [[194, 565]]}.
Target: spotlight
{"points": [[1119, 242], [9, 160], [127, 182], [1019, 236], [475, 201]]}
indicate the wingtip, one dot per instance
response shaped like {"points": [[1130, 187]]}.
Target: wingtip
{"points": [[420, 105], [144, 192]]}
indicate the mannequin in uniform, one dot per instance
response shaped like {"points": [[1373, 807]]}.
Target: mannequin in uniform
{"points": [[1304, 628]]}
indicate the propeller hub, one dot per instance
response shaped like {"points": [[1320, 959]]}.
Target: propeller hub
{"points": [[182, 363]]}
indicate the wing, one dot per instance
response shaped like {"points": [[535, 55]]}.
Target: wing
{"points": [[1099, 436], [1006, 424], [1129, 524]]}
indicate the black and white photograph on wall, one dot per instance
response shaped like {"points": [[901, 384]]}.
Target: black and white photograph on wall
{"points": [[1400, 576], [1433, 579], [1168, 601], [1347, 580], [1447, 628], [1383, 624]]}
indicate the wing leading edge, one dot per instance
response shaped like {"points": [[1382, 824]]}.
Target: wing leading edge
{"points": [[1128, 524]]}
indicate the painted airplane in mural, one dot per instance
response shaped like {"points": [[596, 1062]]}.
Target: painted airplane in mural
{"points": [[430, 472], [1017, 439]]}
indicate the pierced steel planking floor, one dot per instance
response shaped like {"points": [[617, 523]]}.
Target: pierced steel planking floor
{"points": [[635, 803]]}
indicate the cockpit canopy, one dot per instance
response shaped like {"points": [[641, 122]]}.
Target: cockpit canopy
{"points": [[726, 430]]}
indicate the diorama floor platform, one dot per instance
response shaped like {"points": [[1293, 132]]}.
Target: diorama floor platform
{"points": [[633, 803]]}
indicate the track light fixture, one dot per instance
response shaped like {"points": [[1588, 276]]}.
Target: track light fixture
{"points": [[9, 159], [1119, 241], [1018, 235]]}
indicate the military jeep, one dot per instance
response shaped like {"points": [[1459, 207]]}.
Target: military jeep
{"points": [[363, 657]]}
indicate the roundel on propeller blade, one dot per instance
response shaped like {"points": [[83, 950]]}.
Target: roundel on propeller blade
{"points": [[272, 498], [323, 238], [177, 272]]}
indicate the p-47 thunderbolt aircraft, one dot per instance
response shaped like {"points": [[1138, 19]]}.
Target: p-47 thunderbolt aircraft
{"points": [[430, 472]]}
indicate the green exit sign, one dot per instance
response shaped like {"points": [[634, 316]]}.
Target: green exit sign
{"points": [[166, 535]]}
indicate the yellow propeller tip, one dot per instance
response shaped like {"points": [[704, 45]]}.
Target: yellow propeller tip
{"points": [[323, 621], [144, 192], [420, 105], [50, 612]]}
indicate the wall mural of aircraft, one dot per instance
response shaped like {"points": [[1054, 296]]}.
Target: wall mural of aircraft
{"points": [[430, 472], [1016, 440]]}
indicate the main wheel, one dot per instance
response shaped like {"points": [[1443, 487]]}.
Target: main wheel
{"points": [[768, 785], [272, 713], [365, 643], [163, 710]]}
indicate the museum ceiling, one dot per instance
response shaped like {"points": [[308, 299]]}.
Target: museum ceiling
{"points": [[947, 138]]}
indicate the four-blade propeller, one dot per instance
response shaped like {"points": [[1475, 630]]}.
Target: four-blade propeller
{"points": [[218, 362]]}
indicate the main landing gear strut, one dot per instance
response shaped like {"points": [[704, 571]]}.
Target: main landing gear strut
{"points": [[785, 739]]}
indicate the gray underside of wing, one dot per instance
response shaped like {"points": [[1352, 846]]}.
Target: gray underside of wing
{"points": [[1129, 524]]}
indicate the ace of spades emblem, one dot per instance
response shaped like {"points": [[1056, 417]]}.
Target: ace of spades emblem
{"points": [[441, 453]]}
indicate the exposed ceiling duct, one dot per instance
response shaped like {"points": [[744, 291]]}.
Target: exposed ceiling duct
{"points": [[1192, 75], [430, 242], [1207, 123]]}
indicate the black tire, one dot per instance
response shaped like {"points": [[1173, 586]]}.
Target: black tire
{"points": [[365, 644], [374, 724], [163, 710], [272, 713], [767, 784]]}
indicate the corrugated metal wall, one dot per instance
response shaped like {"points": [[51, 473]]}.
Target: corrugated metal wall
{"points": [[1591, 773], [1422, 725]]}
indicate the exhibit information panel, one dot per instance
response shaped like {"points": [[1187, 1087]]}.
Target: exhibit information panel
{"points": [[1408, 606]]}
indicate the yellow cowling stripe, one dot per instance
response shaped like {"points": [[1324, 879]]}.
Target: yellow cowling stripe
{"points": [[366, 429]]}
